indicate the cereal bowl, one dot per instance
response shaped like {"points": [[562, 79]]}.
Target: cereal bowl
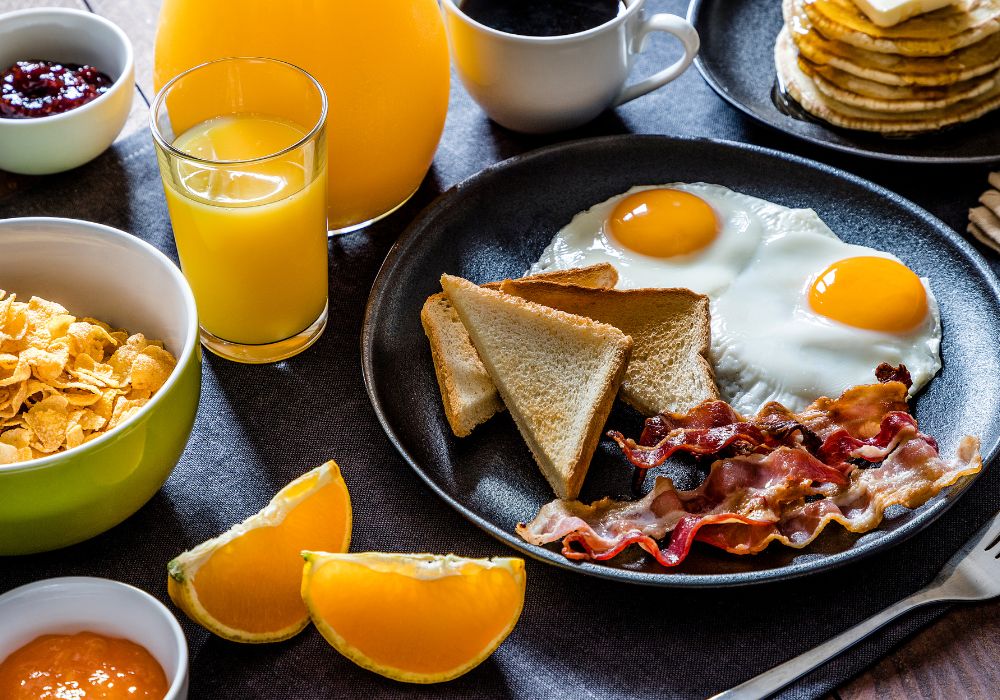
{"points": [[85, 604], [97, 271], [58, 142]]}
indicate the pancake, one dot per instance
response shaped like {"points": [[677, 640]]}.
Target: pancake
{"points": [[986, 24], [870, 88], [859, 92], [965, 64], [804, 91], [949, 21]]}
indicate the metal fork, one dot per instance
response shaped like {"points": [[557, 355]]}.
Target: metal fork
{"points": [[972, 574]]}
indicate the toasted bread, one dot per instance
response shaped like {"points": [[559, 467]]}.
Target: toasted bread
{"points": [[467, 392], [557, 374], [670, 330]]}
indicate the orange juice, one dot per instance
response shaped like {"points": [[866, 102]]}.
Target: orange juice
{"points": [[251, 236], [384, 66]]}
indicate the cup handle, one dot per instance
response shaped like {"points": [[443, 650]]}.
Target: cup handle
{"points": [[671, 24]]}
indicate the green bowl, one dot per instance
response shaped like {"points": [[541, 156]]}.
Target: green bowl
{"points": [[104, 273]]}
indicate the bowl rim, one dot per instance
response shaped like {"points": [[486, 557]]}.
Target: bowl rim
{"points": [[126, 77], [37, 589], [192, 337]]}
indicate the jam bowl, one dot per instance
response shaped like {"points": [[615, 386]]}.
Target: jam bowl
{"points": [[47, 140]]}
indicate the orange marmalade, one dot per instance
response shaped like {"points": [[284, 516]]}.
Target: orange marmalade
{"points": [[82, 665]]}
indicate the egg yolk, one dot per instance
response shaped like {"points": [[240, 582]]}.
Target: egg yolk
{"points": [[663, 223], [878, 294]]}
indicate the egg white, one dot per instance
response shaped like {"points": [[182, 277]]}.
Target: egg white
{"points": [[769, 345]]}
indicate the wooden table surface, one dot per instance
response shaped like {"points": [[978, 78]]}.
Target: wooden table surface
{"points": [[957, 657]]}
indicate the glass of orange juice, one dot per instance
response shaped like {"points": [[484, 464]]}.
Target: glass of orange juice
{"points": [[241, 144]]}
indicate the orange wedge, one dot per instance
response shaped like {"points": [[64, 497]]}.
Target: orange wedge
{"points": [[244, 585], [419, 618]]}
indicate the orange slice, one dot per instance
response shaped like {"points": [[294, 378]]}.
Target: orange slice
{"points": [[419, 618], [244, 584]]}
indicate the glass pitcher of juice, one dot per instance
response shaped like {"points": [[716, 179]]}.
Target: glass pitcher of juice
{"points": [[384, 66]]}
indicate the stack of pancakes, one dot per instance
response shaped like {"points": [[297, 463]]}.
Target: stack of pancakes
{"points": [[928, 72]]}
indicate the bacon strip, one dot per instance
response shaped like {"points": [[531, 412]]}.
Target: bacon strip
{"points": [[748, 502], [706, 415], [896, 427], [909, 477], [887, 373], [793, 474], [856, 420], [744, 489], [859, 410]]}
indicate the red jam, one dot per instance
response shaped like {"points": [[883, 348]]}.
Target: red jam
{"points": [[31, 89]]}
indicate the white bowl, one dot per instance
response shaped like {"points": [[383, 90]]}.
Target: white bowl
{"points": [[58, 142], [81, 603]]}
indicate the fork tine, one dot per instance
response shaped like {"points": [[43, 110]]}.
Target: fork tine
{"points": [[993, 544]]}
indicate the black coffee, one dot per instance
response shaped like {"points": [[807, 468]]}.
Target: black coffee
{"points": [[542, 17]]}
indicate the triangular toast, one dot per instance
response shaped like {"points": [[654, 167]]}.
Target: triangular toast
{"points": [[557, 373]]}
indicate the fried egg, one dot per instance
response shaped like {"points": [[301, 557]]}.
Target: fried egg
{"points": [[698, 236], [812, 316], [796, 312]]}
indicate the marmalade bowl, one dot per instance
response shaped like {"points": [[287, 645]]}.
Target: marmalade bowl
{"points": [[85, 604], [110, 275]]}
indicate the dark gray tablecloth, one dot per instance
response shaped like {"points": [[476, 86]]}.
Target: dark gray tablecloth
{"points": [[259, 427]]}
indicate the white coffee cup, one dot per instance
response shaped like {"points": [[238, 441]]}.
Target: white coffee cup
{"points": [[540, 84]]}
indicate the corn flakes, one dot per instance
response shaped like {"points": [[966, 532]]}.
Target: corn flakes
{"points": [[65, 381]]}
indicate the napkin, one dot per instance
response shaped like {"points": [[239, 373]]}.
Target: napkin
{"points": [[984, 220]]}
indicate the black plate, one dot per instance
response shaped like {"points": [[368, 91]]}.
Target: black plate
{"points": [[737, 60], [496, 223]]}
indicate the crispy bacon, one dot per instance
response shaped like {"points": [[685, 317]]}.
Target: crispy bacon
{"points": [[744, 489], [910, 476], [791, 475], [748, 502], [887, 373], [704, 416], [859, 410], [841, 446], [711, 429]]}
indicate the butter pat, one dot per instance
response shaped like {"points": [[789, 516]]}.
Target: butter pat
{"points": [[887, 13]]}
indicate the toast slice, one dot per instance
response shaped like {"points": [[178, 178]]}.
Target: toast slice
{"points": [[670, 330], [468, 393], [557, 373]]}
